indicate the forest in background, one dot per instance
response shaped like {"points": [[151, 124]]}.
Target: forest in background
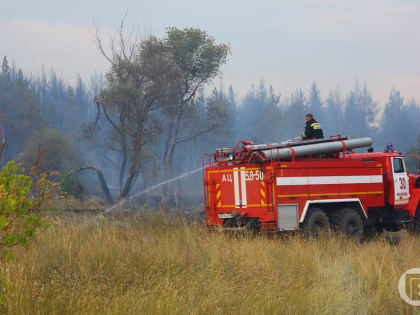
{"points": [[65, 127]]}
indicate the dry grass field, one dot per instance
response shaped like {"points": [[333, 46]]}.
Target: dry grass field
{"points": [[149, 264]]}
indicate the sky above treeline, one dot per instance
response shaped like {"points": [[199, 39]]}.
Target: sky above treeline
{"points": [[288, 43]]}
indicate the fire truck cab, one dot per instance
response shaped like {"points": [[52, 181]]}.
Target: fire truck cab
{"points": [[310, 185]]}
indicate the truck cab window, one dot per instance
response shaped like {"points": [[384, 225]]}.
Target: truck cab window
{"points": [[398, 165]]}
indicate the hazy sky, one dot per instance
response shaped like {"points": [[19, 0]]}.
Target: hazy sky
{"points": [[289, 43]]}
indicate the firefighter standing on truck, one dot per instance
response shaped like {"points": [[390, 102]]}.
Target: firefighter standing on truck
{"points": [[313, 129]]}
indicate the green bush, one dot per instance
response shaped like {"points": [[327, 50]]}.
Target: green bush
{"points": [[18, 223], [17, 220], [71, 186]]}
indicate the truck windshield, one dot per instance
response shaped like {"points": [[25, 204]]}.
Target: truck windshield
{"points": [[412, 163], [398, 165]]}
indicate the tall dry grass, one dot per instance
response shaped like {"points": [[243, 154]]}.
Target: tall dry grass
{"points": [[152, 265]]}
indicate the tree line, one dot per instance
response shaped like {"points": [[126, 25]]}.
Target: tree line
{"points": [[160, 105]]}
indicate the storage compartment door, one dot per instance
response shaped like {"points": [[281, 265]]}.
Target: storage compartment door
{"points": [[287, 216]]}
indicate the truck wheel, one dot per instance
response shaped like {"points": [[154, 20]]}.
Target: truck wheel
{"points": [[349, 222], [415, 228], [416, 225], [315, 222], [232, 222]]}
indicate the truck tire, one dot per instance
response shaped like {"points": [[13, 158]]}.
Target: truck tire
{"points": [[349, 222], [315, 222], [415, 228], [416, 224]]}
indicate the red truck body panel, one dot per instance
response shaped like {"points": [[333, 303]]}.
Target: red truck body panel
{"points": [[263, 190], [246, 188]]}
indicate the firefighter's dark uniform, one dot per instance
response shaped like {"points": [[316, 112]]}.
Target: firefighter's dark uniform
{"points": [[313, 130]]}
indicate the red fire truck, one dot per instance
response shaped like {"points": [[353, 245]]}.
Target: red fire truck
{"points": [[310, 185]]}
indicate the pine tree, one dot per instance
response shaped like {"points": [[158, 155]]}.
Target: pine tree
{"points": [[315, 103], [400, 122], [359, 112], [5, 69], [294, 115], [260, 115], [333, 118]]}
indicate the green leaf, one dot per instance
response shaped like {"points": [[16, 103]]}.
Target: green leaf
{"points": [[3, 222]]}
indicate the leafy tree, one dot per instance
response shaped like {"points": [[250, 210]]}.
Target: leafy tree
{"points": [[195, 59], [135, 85], [217, 98], [50, 150], [151, 91]]}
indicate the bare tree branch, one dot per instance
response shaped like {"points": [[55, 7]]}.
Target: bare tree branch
{"points": [[41, 150], [97, 40], [187, 138], [99, 102]]}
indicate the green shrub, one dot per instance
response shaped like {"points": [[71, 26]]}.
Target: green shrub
{"points": [[18, 221], [71, 186]]}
